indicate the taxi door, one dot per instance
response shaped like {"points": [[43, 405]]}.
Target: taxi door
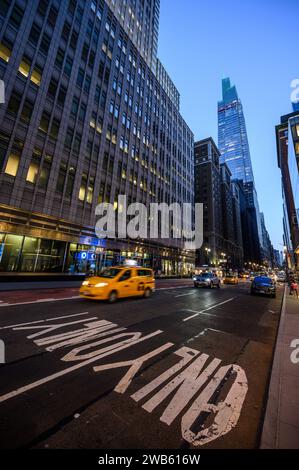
{"points": [[127, 285]]}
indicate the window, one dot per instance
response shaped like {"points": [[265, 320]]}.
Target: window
{"points": [[5, 51], [34, 34], [59, 58], [68, 138], [52, 88], [80, 77], [68, 66], [45, 172], [74, 40], [45, 43], [12, 164], [36, 75], [75, 106], [27, 111], [14, 102], [70, 182], [24, 67], [52, 16], [54, 128], [82, 112], [125, 276], [77, 143], [61, 95], [90, 191], [16, 16], [61, 178], [87, 84], [32, 172], [83, 187], [4, 7], [4, 141], [42, 7], [44, 122]]}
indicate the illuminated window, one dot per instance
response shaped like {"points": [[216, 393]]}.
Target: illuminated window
{"points": [[5, 52], [12, 164], [297, 130], [32, 173], [82, 190], [36, 76], [297, 148], [24, 67], [89, 194]]}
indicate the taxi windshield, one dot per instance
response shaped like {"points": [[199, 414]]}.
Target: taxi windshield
{"points": [[110, 273]]}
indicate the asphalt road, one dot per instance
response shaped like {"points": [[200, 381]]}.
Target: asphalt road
{"points": [[187, 368]]}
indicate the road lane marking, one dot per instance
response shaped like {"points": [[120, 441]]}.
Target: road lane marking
{"points": [[206, 310], [182, 295], [120, 346], [43, 321], [6, 304], [210, 415], [40, 301]]}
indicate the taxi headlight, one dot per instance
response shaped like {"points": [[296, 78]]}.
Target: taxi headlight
{"points": [[101, 284], [85, 283]]}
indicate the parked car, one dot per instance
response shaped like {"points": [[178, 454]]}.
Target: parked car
{"points": [[281, 276], [230, 279], [263, 285], [119, 282], [206, 280]]}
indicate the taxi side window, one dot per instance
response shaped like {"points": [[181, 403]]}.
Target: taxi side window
{"points": [[143, 272], [126, 275]]}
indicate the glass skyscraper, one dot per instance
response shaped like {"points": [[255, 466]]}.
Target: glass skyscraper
{"points": [[232, 135], [234, 149]]}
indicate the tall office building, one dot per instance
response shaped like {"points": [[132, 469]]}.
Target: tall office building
{"points": [[88, 115], [140, 20], [232, 135], [235, 152]]}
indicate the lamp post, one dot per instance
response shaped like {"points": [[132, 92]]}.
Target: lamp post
{"points": [[208, 251]]}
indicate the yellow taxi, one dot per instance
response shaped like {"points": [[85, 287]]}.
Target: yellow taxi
{"points": [[119, 282], [230, 279]]}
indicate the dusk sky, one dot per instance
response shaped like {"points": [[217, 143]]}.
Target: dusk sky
{"points": [[254, 43]]}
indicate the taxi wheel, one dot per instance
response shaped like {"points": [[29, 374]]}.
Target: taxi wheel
{"points": [[112, 297], [147, 293]]}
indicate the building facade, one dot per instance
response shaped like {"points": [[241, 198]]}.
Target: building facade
{"points": [[85, 119], [221, 209], [287, 139], [234, 147], [232, 134], [207, 180], [232, 247]]}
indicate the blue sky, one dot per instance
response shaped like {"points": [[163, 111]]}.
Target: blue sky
{"points": [[255, 43]]}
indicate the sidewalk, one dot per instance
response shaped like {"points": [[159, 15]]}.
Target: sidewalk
{"points": [[281, 425]]}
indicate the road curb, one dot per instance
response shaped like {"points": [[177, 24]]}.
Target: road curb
{"points": [[270, 425]]}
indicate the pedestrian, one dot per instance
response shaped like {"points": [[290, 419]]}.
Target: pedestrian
{"points": [[294, 288], [291, 281]]}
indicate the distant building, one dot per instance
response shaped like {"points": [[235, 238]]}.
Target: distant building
{"points": [[207, 190], [234, 148], [232, 135], [231, 218], [287, 139]]}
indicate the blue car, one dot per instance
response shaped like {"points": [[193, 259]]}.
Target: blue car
{"points": [[263, 285]]}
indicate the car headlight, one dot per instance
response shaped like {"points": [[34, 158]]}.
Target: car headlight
{"points": [[194, 279], [85, 283], [101, 284]]}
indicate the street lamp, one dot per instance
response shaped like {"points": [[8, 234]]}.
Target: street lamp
{"points": [[208, 251]]}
